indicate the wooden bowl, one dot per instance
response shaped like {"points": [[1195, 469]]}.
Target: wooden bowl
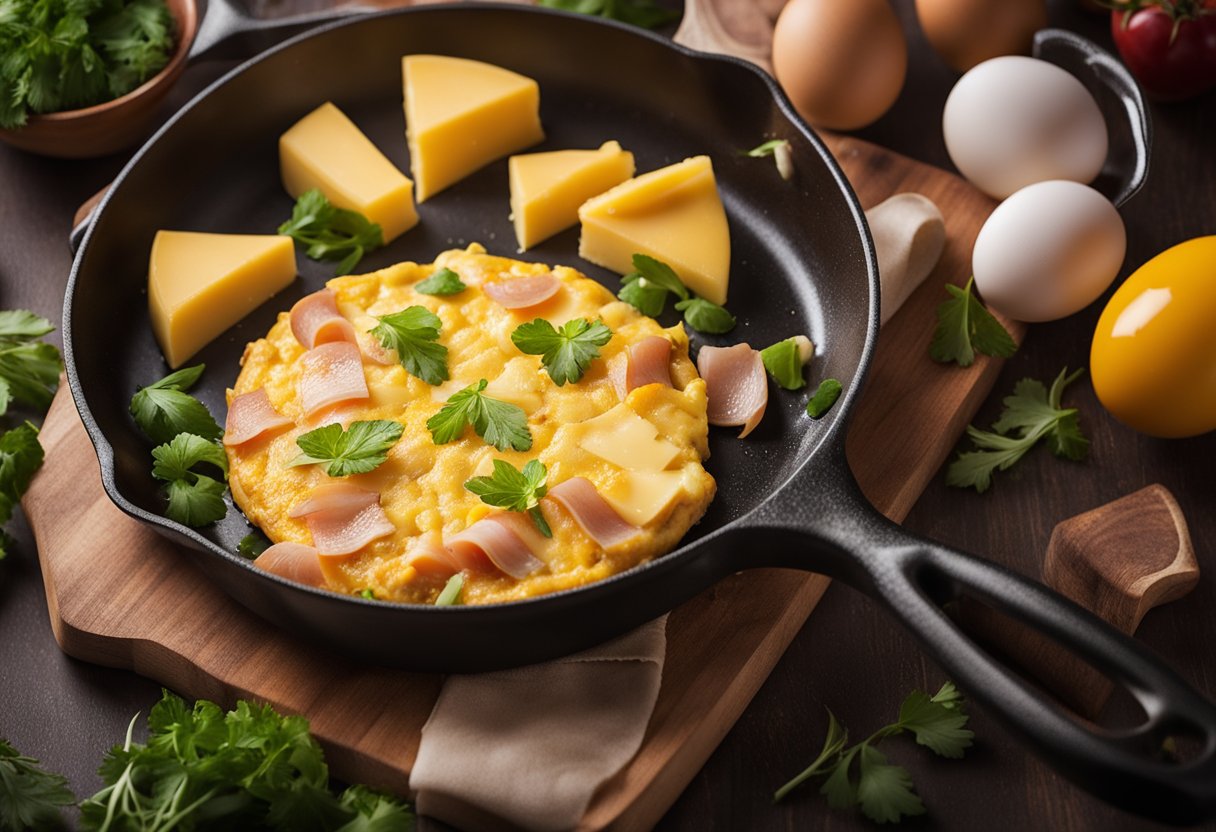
{"points": [[113, 125]]}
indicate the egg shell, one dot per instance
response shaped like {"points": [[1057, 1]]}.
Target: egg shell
{"points": [[1153, 358], [1048, 251], [1014, 121], [968, 32]]}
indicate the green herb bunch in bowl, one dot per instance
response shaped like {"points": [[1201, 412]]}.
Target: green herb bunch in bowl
{"points": [[86, 78]]}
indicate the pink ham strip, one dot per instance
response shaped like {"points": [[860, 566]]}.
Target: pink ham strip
{"points": [[618, 373], [251, 415], [598, 519], [497, 538], [649, 363], [315, 319], [736, 385], [343, 518], [293, 561], [522, 292], [334, 496], [430, 558], [331, 373]]}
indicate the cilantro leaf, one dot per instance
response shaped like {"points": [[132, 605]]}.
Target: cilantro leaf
{"points": [[644, 13], [836, 737], [362, 447], [194, 499], [824, 397], [30, 796], [20, 457], [643, 295], [515, 490], [839, 788], [414, 334], [23, 325], [782, 155], [442, 282], [965, 327], [937, 725], [163, 409], [252, 545], [375, 812], [29, 369], [659, 274], [450, 596], [565, 352], [499, 423], [784, 361], [884, 791], [331, 233], [704, 316]]}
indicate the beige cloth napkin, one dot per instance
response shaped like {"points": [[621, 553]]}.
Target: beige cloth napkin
{"points": [[527, 748]]}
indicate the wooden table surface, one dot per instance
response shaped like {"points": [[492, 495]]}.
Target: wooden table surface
{"points": [[850, 657]]}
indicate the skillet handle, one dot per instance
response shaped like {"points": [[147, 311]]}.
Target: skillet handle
{"points": [[227, 31]]}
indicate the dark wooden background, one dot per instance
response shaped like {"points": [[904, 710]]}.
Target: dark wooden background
{"points": [[850, 657]]}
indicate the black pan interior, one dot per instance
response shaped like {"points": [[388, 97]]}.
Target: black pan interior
{"points": [[799, 261]]}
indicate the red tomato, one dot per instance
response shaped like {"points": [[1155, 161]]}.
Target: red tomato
{"points": [[1170, 48]]}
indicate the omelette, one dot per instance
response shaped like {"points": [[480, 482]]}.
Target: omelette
{"points": [[622, 446]]}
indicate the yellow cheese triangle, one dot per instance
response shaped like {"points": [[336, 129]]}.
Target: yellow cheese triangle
{"points": [[673, 214], [201, 284], [625, 439], [325, 150], [548, 188], [461, 115], [641, 496]]}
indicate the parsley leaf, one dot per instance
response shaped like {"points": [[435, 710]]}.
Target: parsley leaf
{"points": [[30, 796], [937, 724], [252, 545], [414, 334], [643, 295], [1031, 413], [704, 316], [515, 490], [565, 352], [362, 447], [442, 282], [784, 361], [163, 409], [965, 327], [29, 369], [836, 737], [646, 290], [823, 398], [20, 457], [499, 423], [644, 13], [657, 273], [450, 596], [194, 499], [779, 149], [331, 233], [885, 791]]}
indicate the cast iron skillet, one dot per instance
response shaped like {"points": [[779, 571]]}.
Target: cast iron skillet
{"points": [[803, 262]]}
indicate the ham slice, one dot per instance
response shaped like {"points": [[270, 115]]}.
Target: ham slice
{"points": [[343, 518], [293, 561], [522, 292], [736, 385], [649, 363], [498, 539], [315, 319], [430, 559], [330, 374], [597, 518], [251, 415], [334, 496]]}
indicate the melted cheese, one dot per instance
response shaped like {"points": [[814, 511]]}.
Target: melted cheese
{"points": [[201, 284], [548, 188], [673, 214], [624, 438], [641, 496], [325, 150], [460, 115]]}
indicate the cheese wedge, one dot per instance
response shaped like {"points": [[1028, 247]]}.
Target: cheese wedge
{"points": [[548, 188], [460, 115], [625, 439], [326, 150], [201, 284], [673, 214]]}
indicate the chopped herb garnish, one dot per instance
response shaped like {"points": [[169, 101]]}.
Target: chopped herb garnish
{"points": [[499, 423], [252, 545], [194, 499], [442, 282], [784, 361], [413, 333], [704, 316], [163, 409], [367, 593], [659, 274], [450, 596], [30, 796], [362, 447], [29, 369], [565, 352], [779, 149], [331, 233], [515, 490], [823, 398], [20, 457], [646, 290], [965, 327], [643, 295], [644, 13]]}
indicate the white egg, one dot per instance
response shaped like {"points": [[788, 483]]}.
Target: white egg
{"points": [[1013, 121], [1048, 251]]}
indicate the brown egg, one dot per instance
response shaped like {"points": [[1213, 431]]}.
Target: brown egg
{"points": [[841, 62], [969, 32]]}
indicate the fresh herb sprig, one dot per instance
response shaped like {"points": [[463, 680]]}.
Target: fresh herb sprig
{"points": [[194, 499], [644, 13], [331, 233], [566, 351], [361, 448], [884, 791], [30, 796], [29, 368], [252, 545], [443, 282], [20, 458], [414, 334], [965, 327], [164, 409], [785, 359], [646, 289], [1032, 413], [515, 490], [499, 423]]}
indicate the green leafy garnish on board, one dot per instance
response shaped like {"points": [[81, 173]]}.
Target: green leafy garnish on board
{"points": [[1031, 413], [20, 457], [252, 545], [414, 334], [565, 351], [29, 369], [450, 596], [163, 409], [779, 149], [194, 499], [331, 233], [644, 13], [965, 327], [442, 282], [515, 490], [30, 796], [823, 398], [884, 791], [784, 361], [249, 768], [499, 423], [362, 447]]}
